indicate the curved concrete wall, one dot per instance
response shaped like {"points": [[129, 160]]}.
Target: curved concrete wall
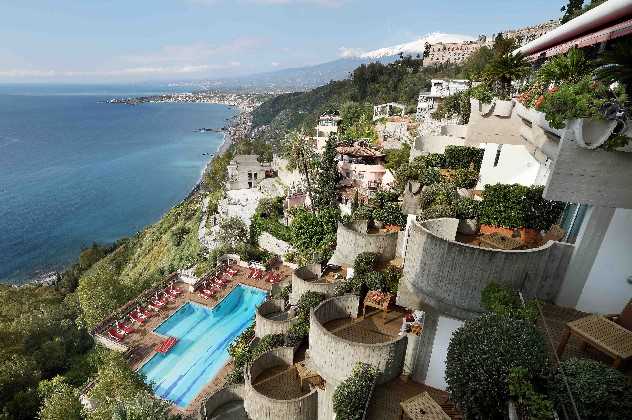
{"points": [[450, 275], [353, 239], [264, 325], [220, 398], [306, 279], [336, 357], [261, 407]]}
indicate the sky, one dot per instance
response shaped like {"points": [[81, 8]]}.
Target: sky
{"points": [[86, 41]]}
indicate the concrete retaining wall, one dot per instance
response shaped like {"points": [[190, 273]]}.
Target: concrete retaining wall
{"points": [[261, 407], [220, 398], [353, 239], [265, 326], [450, 276], [274, 245], [336, 357], [306, 279], [434, 144]]}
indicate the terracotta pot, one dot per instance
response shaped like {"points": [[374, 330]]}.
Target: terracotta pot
{"points": [[503, 108]]}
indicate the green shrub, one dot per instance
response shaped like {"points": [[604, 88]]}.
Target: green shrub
{"points": [[375, 280], [506, 302], [530, 403], [437, 160], [285, 292], [480, 356], [351, 397], [437, 212], [300, 327], [457, 104], [600, 392], [439, 194], [364, 263], [483, 92], [517, 206], [465, 178], [467, 208], [463, 157]]}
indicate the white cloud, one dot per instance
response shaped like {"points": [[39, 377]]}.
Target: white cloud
{"points": [[275, 64], [119, 72], [350, 52]]}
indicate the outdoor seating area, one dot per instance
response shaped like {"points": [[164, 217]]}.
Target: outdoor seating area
{"points": [[374, 327], [387, 401], [576, 334]]}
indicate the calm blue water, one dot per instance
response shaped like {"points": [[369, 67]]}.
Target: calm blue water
{"points": [[74, 171], [202, 350]]}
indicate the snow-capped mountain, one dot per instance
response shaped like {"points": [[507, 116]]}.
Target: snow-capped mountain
{"points": [[414, 47]]}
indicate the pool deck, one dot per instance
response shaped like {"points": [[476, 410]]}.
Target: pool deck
{"points": [[144, 340]]}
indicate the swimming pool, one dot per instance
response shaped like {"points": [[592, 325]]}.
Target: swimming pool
{"points": [[202, 350]]}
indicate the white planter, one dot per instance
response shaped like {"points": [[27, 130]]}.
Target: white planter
{"points": [[468, 226], [503, 108], [591, 134], [535, 118]]}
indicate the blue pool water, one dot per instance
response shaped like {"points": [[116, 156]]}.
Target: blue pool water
{"points": [[202, 350]]}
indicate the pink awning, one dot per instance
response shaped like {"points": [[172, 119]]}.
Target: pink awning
{"points": [[602, 35]]}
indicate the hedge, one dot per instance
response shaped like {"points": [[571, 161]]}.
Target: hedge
{"points": [[599, 391], [463, 157], [300, 326], [506, 302], [351, 397], [518, 206], [481, 355]]}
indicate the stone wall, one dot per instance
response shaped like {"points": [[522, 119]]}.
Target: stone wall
{"points": [[220, 398], [274, 245], [450, 275], [353, 239], [262, 407], [264, 325], [336, 357], [306, 279], [110, 344]]}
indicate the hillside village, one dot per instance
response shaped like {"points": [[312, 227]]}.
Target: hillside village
{"points": [[461, 251]]}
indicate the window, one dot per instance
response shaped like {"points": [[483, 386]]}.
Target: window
{"points": [[249, 175], [249, 184], [256, 175], [497, 158]]}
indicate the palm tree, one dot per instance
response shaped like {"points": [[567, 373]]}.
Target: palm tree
{"points": [[504, 69], [615, 65], [300, 155]]}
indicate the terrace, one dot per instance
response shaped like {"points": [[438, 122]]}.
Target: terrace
{"points": [[312, 278]]}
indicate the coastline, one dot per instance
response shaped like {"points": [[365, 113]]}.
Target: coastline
{"points": [[238, 122]]}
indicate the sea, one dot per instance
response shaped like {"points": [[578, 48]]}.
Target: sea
{"points": [[74, 170]]}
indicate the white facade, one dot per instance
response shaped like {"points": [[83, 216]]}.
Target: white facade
{"points": [[509, 164], [327, 124], [439, 89], [599, 278], [244, 171], [435, 377]]}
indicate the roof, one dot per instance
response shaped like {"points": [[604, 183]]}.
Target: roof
{"points": [[359, 151], [606, 21]]}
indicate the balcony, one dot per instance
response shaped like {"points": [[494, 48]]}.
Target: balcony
{"points": [[312, 278], [450, 275], [338, 340], [355, 238], [273, 389]]}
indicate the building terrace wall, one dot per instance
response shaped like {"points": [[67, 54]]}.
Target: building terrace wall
{"points": [[307, 279], [450, 275], [265, 325], [336, 357], [220, 398], [262, 407], [353, 239]]}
